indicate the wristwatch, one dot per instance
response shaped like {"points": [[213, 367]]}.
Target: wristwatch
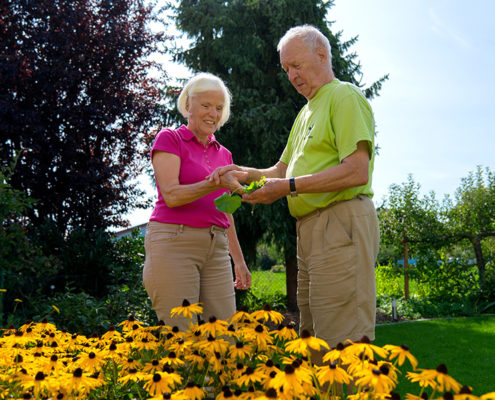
{"points": [[292, 183]]}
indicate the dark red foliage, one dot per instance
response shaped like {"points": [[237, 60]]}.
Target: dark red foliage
{"points": [[76, 95]]}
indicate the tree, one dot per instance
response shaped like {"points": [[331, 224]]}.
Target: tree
{"points": [[408, 222], [237, 41], [472, 217], [76, 96]]}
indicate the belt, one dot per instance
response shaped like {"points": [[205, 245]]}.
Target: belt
{"points": [[318, 211]]}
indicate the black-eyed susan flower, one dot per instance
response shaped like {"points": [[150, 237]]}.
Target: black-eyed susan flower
{"points": [[304, 343], [130, 324], [331, 374], [40, 383], [401, 352], [79, 381], [466, 393], [288, 382], [192, 392], [267, 314], [132, 374], [172, 359], [250, 377], [259, 336], [240, 315], [270, 394], [213, 344], [187, 310], [91, 361], [213, 327], [239, 351], [168, 396], [225, 394], [365, 349], [444, 380], [161, 382], [423, 378], [195, 359], [152, 366], [111, 334], [376, 380], [488, 396], [285, 332]]}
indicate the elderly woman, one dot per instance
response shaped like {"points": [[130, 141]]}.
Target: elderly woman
{"points": [[188, 240]]}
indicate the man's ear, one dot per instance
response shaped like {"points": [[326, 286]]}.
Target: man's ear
{"points": [[322, 54]]}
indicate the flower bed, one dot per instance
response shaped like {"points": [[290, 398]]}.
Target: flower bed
{"points": [[242, 358]]}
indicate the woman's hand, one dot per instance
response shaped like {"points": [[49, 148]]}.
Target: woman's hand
{"points": [[215, 176], [242, 276], [230, 180]]}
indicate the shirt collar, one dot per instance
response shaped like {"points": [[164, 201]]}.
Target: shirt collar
{"points": [[187, 136]]}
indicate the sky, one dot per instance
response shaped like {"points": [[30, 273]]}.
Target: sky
{"points": [[434, 115]]}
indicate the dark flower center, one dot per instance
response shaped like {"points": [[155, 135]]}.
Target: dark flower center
{"points": [[305, 334], [39, 376], [404, 347], [442, 368], [78, 372], [91, 355], [271, 393], [365, 339], [259, 329], [267, 307], [157, 378], [289, 369], [185, 303]]}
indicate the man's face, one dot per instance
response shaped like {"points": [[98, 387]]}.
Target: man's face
{"points": [[306, 69]]}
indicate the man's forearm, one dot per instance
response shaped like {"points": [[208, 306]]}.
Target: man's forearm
{"points": [[254, 174]]}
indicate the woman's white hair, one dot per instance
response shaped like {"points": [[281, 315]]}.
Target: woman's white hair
{"points": [[203, 82], [310, 35]]}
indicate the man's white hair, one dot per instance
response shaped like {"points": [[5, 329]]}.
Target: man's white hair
{"points": [[203, 82], [310, 35]]}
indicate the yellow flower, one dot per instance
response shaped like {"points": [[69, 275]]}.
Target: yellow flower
{"points": [[192, 392], [240, 351], [288, 382], [488, 396], [56, 309], [112, 334], [445, 382], [78, 381], [91, 361], [270, 394], [130, 324], [466, 393], [259, 336], [161, 382], [250, 376], [364, 349], [213, 344], [241, 315], [423, 379], [287, 332], [18, 300], [214, 327], [332, 374], [3, 290], [132, 375], [376, 379], [402, 352], [40, 383], [187, 310], [267, 314], [172, 359], [304, 343]]}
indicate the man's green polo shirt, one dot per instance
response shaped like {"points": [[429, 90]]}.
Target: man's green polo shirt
{"points": [[327, 130]]}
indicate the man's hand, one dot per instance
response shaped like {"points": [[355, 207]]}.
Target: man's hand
{"points": [[273, 190], [215, 175], [242, 276]]}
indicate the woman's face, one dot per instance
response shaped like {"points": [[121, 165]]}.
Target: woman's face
{"points": [[204, 112]]}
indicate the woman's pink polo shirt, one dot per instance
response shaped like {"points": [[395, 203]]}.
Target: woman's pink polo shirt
{"points": [[197, 162]]}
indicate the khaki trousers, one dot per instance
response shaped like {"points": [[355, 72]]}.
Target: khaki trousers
{"points": [[336, 249], [188, 263]]}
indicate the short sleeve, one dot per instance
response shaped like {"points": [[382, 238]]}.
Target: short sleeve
{"points": [[167, 140], [352, 122]]}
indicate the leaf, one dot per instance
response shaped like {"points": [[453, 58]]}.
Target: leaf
{"points": [[228, 203]]}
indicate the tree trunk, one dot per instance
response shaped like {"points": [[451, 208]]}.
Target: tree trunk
{"points": [[480, 260], [406, 271], [291, 280]]}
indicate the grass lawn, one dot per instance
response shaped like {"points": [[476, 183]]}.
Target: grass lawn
{"points": [[465, 345], [267, 282]]}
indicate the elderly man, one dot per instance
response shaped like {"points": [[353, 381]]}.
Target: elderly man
{"points": [[325, 170]]}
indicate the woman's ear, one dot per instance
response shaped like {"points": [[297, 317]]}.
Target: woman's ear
{"points": [[187, 104]]}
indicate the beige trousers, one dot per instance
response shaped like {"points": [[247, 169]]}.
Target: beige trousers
{"points": [[188, 263], [336, 249]]}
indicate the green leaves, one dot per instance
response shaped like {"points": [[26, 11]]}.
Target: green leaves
{"points": [[228, 203]]}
